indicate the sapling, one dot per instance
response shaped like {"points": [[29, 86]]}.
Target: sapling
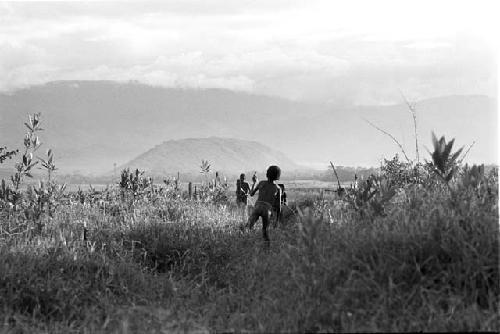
{"points": [[48, 164], [205, 169], [444, 162], [31, 145], [12, 195]]}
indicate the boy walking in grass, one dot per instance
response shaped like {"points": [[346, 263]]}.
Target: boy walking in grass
{"points": [[269, 198]]}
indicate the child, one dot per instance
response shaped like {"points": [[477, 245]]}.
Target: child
{"points": [[242, 190], [269, 198]]}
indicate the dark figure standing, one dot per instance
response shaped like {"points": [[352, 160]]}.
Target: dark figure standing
{"points": [[283, 193], [269, 198], [242, 191]]}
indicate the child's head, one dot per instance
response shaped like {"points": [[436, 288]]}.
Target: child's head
{"points": [[242, 177], [273, 173]]}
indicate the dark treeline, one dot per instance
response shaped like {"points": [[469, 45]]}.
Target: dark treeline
{"points": [[345, 174]]}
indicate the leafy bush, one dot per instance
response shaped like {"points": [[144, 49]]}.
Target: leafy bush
{"points": [[400, 173], [371, 197], [444, 161], [134, 181]]}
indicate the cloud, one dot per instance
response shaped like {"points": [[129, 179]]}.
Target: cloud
{"points": [[426, 45], [320, 50]]}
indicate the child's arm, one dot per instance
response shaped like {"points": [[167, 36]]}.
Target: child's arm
{"points": [[254, 189], [278, 206]]}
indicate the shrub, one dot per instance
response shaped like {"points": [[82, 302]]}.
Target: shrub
{"points": [[444, 162]]}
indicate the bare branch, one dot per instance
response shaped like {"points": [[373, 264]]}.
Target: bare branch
{"points": [[466, 152], [391, 136], [413, 112], [338, 181]]}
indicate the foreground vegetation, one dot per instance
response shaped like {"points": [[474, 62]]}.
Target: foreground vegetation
{"points": [[414, 249]]}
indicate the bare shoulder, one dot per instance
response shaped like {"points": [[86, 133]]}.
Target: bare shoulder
{"points": [[261, 185]]}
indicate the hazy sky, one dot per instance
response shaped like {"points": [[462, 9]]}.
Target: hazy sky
{"points": [[359, 52]]}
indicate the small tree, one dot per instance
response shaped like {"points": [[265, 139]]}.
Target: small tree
{"points": [[48, 164], [11, 194], [205, 169], [39, 201], [444, 162], [134, 182], [31, 145]]}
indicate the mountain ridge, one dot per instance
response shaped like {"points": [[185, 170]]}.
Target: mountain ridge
{"points": [[92, 125]]}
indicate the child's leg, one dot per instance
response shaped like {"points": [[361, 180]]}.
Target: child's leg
{"points": [[265, 224], [254, 216], [242, 208]]}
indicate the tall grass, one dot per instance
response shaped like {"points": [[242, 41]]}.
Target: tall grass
{"points": [[430, 263], [398, 254]]}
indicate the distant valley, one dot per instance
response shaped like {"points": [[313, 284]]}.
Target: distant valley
{"points": [[93, 125]]}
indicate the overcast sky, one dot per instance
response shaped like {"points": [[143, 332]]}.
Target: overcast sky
{"points": [[354, 52]]}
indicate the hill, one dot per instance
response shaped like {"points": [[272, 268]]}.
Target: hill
{"points": [[91, 125], [227, 155]]}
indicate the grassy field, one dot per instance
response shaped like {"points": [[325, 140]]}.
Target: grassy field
{"points": [[160, 262], [412, 249]]}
